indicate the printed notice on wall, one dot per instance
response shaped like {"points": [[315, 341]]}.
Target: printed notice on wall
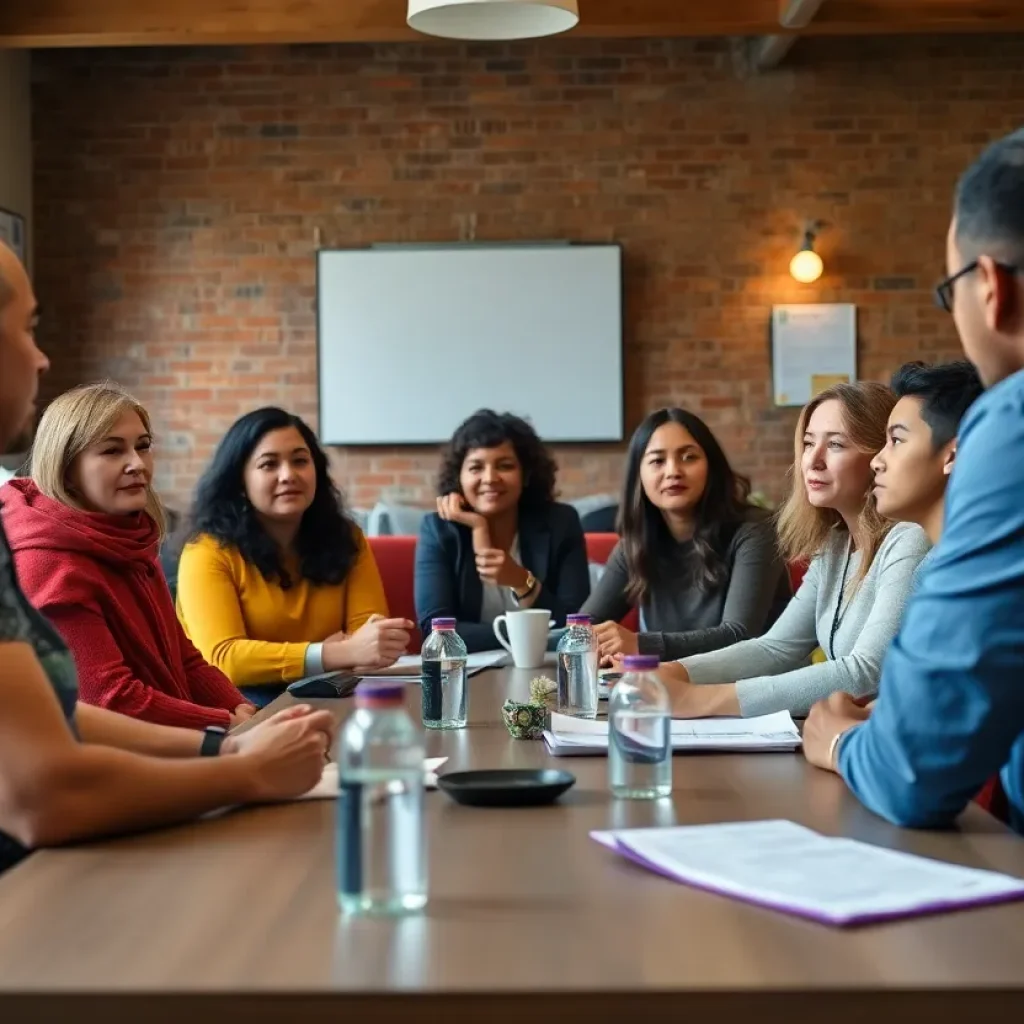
{"points": [[813, 347], [12, 232]]}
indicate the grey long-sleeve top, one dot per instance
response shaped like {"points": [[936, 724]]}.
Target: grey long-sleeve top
{"points": [[772, 674], [680, 618]]}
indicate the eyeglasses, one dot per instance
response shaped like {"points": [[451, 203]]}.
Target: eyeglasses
{"points": [[944, 289]]}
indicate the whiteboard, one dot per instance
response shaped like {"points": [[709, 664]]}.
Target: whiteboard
{"points": [[412, 340]]}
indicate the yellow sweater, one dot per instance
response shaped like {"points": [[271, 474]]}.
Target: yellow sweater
{"points": [[256, 632]]}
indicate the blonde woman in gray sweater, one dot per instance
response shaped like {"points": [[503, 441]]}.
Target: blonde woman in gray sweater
{"points": [[851, 600]]}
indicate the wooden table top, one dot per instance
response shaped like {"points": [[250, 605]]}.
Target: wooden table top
{"points": [[522, 902]]}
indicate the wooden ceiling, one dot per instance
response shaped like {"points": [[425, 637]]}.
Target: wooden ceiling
{"points": [[48, 23]]}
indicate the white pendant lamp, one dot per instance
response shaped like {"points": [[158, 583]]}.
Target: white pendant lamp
{"points": [[492, 19]]}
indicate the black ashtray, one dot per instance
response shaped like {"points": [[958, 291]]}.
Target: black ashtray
{"points": [[512, 787]]}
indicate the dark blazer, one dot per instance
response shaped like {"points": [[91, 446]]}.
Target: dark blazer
{"points": [[447, 584]]}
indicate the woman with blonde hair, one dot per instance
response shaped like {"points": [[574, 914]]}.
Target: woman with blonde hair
{"points": [[85, 531], [851, 599]]}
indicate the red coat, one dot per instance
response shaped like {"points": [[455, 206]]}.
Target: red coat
{"points": [[98, 580]]}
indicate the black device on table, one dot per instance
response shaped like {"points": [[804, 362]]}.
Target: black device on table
{"points": [[329, 684]]}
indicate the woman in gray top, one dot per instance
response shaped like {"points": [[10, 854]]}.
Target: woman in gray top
{"points": [[698, 560], [851, 599]]}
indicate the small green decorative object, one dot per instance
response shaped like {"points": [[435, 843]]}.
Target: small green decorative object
{"points": [[524, 721]]}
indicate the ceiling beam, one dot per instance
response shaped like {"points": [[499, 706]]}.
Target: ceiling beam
{"points": [[769, 51], [899, 16], [797, 14], [78, 23]]}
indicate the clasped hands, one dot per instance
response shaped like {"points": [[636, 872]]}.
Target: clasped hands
{"points": [[614, 642], [829, 719]]}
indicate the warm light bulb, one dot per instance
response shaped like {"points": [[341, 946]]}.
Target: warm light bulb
{"points": [[806, 266]]}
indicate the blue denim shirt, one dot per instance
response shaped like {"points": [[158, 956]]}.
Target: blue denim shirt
{"points": [[950, 711]]}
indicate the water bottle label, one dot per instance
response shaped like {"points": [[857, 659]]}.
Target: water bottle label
{"points": [[350, 837], [430, 684]]}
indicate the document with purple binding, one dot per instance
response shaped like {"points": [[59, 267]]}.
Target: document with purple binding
{"points": [[570, 736], [784, 866]]}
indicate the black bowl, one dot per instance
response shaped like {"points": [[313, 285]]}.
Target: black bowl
{"points": [[514, 787]]}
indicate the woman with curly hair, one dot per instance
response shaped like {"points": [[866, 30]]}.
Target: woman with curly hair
{"points": [[276, 582], [499, 540]]}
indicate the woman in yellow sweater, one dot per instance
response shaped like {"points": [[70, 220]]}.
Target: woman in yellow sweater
{"points": [[276, 583]]}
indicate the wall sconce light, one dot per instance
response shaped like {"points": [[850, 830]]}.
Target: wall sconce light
{"points": [[806, 266]]}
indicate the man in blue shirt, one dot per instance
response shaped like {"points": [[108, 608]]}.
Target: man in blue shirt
{"points": [[950, 711]]}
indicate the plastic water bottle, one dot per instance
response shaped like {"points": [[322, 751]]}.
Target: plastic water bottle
{"points": [[443, 679], [577, 668], [381, 853], [639, 732]]}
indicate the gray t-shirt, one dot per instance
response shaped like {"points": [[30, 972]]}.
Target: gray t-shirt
{"points": [[680, 618], [772, 673]]}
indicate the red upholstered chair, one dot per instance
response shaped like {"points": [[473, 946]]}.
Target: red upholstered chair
{"points": [[599, 549], [796, 574], [600, 546], [396, 560], [993, 799]]}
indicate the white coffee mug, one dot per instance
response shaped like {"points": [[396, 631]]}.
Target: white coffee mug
{"points": [[527, 635]]}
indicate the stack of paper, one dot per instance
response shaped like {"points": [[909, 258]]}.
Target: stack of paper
{"points": [[568, 736], [409, 666], [327, 787], [787, 867]]}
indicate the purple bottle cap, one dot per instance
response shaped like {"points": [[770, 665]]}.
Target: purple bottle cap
{"points": [[442, 623], [640, 663], [379, 693], [578, 620]]}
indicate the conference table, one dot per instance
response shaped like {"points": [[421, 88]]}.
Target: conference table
{"points": [[234, 917]]}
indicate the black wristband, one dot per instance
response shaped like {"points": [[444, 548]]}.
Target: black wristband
{"points": [[213, 740]]}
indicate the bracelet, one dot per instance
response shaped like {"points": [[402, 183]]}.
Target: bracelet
{"points": [[213, 740], [832, 747]]}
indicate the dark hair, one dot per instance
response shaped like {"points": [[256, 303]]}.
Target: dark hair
{"points": [[946, 391], [990, 201], [645, 536], [488, 429], [326, 544]]}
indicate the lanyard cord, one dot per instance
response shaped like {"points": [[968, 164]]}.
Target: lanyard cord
{"points": [[839, 602]]}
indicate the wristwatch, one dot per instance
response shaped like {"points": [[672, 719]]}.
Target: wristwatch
{"points": [[531, 586], [213, 740]]}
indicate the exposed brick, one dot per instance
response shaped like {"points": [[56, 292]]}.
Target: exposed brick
{"points": [[178, 193], [894, 284]]}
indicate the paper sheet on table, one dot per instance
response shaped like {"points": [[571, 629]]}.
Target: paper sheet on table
{"points": [[569, 736], [409, 666], [327, 787], [787, 867]]}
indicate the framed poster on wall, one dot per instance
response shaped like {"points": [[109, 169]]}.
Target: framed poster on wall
{"points": [[813, 347], [12, 231]]}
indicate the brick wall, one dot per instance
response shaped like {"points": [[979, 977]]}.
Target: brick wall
{"points": [[180, 193], [15, 137]]}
